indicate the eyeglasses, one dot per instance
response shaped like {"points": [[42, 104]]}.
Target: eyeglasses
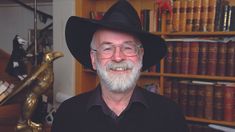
{"points": [[129, 49]]}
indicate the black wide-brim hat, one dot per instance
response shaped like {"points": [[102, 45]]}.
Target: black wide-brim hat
{"points": [[121, 17]]}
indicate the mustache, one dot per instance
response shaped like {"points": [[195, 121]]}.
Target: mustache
{"points": [[124, 65]]}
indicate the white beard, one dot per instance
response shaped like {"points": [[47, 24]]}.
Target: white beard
{"points": [[119, 82]]}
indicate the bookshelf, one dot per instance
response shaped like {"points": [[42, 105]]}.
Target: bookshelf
{"points": [[87, 79]]}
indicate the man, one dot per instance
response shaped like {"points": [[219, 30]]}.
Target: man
{"points": [[118, 50]]}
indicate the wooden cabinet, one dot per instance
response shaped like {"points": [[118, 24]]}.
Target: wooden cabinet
{"points": [[86, 79]]}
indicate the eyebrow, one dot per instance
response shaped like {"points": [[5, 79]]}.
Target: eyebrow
{"points": [[107, 42]]}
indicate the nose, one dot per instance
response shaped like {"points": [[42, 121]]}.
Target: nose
{"points": [[118, 55]]}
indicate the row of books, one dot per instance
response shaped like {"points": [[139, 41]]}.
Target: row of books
{"points": [[203, 58], [191, 15], [209, 100]]}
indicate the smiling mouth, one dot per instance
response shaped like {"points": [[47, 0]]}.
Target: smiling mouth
{"points": [[120, 69]]}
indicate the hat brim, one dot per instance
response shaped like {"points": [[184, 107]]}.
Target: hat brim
{"points": [[79, 32]]}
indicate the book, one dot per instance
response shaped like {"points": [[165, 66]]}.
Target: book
{"points": [[145, 19], [211, 16], [196, 15], [3, 86], [183, 95], [212, 58], [232, 19], [202, 58], [167, 88], [169, 22], [224, 16], [183, 16], [230, 63], [168, 60], [200, 101], [176, 15], [218, 113], [193, 58], [189, 15], [204, 15], [218, 14], [209, 100], [184, 66], [220, 66], [229, 104], [192, 100], [177, 57], [175, 91]]}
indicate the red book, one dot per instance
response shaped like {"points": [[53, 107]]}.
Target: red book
{"points": [[193, 57], [230, 61], [192, 99], [167, 88], [184, 66], [229, 106], [202, 58], [212, 58], [183, 95], [221, 67], [209, 98], [218, 102]]}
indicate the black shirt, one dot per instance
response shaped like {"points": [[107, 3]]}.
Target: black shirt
{"points": [[146, 112]]}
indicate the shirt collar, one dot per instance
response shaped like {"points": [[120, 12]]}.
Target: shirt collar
{"points": [[97, 100]]}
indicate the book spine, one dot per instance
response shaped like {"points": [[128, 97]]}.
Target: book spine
{"points": [[224, 16], [167, 88], [169, 22], [183, 96], [204, 15], [218, 102], [209, 99], [185, 58], [177, 56], [145, 19], [218, 15], [176, 15], [202, 58], [229, 106], [230, 61], [211, 16], [196, 15], [212, 58], [189, 16], [169, 58], [193, 58], [200, 103], [232, 20], [175, 91], [221, 59], [192, 90], [183, 15]]}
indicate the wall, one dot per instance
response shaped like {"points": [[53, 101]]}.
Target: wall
{"points": [[64, 68], [15, 19]]}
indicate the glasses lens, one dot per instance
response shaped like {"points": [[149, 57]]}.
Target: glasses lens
{"points": [[107, 50]]}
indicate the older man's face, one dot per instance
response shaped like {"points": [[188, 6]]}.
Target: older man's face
{"points": [[117, 59]]}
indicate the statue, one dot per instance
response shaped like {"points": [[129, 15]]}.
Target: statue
{"points": [[43, 77]]}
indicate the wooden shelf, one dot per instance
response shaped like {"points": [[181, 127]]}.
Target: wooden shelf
{"points": [[226, 123]]}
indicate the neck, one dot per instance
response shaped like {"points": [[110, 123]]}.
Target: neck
{"points": [[117, 102]]}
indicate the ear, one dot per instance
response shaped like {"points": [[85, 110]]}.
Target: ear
{"points": [[93, 55]]}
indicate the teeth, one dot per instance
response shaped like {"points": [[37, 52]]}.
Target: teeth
{"points": [[119, 69]]}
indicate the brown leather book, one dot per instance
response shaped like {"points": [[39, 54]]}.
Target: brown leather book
{"points": [[193, 57], [229, 104], [183, 15], [212, 58], [200, 102], [202, 58], [209, 98], [230, 61], [211, 16], [183, 95], [221, 67], [167, 88], [168, 60], [204, 15], [189, 15], [196, 15], [169, 22], [175, 91], [192, 100], [185, 57], [218, 113], [176, 15], [177, 57]]}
